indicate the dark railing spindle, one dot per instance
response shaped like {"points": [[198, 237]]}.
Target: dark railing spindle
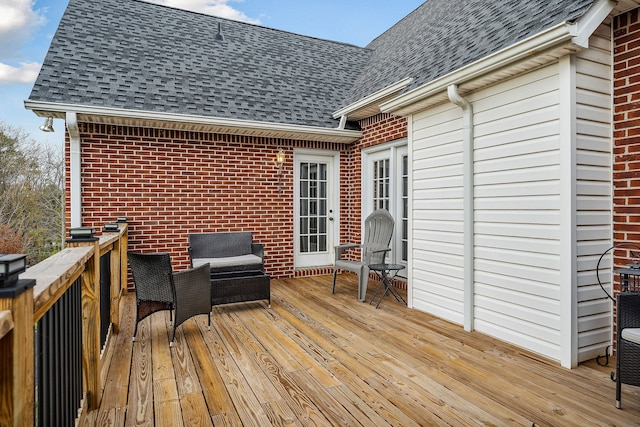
{"points": [[53, 370], [105, 297], [58, 361]]}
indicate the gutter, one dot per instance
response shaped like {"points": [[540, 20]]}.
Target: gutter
{"points": [[468, 187], [576, 34], [554, 36], [128, 117], [373, 99]]}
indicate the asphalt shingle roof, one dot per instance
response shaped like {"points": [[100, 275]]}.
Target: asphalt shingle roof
{"points": [[441, 36], [133, 55]]}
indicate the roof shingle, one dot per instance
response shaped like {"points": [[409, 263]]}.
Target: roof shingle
{"points": [[140, 56], [128, 54]]}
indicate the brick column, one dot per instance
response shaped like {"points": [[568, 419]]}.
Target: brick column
{"points": [[626, 141]]}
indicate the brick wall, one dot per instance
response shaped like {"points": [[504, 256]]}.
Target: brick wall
{"points": [[172, 183], [626, 141]]}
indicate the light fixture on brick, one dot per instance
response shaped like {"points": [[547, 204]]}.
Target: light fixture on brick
{"points": [[280, 158]]}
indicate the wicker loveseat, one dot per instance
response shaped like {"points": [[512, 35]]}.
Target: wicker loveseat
{"points": [[236, 263]]}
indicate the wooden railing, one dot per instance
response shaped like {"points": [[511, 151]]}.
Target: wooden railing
{"points": [[54, 277]]}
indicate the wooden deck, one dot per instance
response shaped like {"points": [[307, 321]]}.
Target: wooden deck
{"points": [[320, 359]]}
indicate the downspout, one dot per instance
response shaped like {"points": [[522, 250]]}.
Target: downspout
{"points": [[343, 122], [74, 160], [468, 183]]}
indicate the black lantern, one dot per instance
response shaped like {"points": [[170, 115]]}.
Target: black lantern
{"points": [[111, 227], [82, 233], [11, 266]]}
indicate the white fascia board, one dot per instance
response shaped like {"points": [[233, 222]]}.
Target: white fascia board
{"points": [[591, 20], [373, 98], [249, 125], [554, 36]]}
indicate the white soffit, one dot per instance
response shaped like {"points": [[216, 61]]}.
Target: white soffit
{"points": [[146, 119], [625, 6]]}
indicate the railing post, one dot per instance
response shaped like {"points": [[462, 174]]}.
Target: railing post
{"points": [[17, 359], [124, 263], [91, 323], [116, 281]]}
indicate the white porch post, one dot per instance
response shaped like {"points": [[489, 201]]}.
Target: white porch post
{"points": [[568, 239]]}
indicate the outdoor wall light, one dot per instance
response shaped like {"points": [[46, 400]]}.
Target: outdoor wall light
{"points": [[121, 219], [11, 266], [80, 233], [280, 158], [47, 126]]}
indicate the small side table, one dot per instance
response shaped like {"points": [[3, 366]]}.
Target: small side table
{"points": [[384, 273], [629, 278]]}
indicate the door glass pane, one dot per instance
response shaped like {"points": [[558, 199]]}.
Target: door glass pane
{"points": [[381, 184], [313, 207]]}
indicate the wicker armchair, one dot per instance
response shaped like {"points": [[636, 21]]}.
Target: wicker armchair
{"points": [[378, 229], [628, 342], [193, 295], [158, 288], [152, 279]]}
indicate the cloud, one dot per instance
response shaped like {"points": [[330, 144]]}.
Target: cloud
{"points": [[18, 22], [219, 8], [26, 73]]}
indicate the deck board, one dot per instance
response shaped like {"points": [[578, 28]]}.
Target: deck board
{"points": [[323, 359]]}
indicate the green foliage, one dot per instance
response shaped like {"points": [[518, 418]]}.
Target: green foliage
{"points": [[31, 196]]}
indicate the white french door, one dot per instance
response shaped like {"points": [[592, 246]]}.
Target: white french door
{"points": [[385, 179], [316, 198]]}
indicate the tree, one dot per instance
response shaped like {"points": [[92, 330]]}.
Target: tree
{"points": [[32, 201]]}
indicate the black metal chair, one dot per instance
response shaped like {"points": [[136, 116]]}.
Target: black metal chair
{"points": [[628, 342], [158, 288]]}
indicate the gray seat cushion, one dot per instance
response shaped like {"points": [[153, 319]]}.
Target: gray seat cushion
{"points": [[631, 334], [231, 261]]}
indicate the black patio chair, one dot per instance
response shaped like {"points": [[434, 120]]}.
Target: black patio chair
{"points": [[159, 288], [628, 342], [193, 295]]}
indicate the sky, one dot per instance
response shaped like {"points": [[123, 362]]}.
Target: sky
{"points": [[27, 27]]}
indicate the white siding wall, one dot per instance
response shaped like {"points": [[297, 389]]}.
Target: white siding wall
{"points": [[437, 224], [517, 211], [529, 156], [594, 198]]}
